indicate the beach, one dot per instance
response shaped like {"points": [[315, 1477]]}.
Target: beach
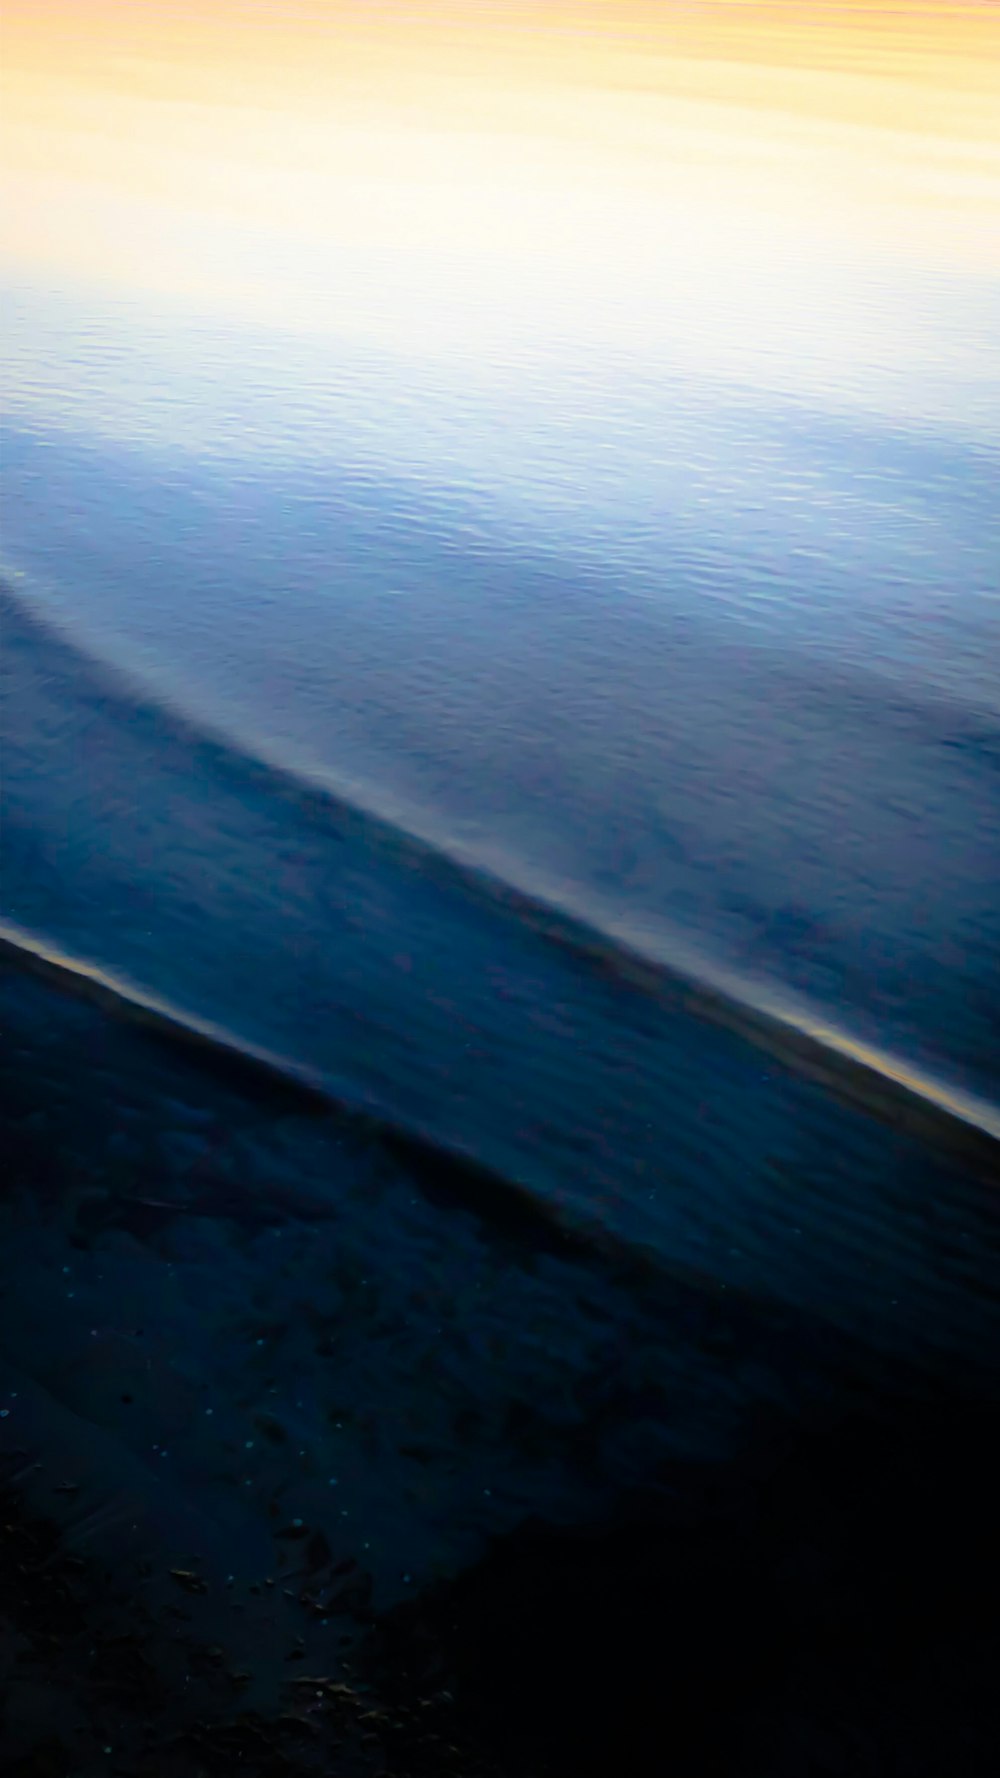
{"points": [[357, 1415], [283, 1407], [499, 932]]}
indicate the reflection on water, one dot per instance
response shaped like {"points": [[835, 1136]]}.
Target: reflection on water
{"points": [[575, 440], [714, 670]]}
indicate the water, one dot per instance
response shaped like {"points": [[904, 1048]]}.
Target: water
{"points": [[359, 730], [499, 932], [710, 668]]}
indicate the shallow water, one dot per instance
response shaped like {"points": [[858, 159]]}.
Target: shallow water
{"points": [[287, 920], [339, 721], [710, 669]]}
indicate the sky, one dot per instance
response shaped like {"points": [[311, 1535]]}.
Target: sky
{"points": [[807, 196]]}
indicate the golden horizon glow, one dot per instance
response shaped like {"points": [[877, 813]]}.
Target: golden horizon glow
{"points": [[709, 172]]}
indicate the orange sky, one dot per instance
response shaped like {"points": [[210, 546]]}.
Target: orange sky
{"points": [[408, 164]]}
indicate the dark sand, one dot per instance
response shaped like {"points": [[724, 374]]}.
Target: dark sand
{"points": [[311, 1465]]}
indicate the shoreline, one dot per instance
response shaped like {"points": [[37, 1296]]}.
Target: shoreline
{"points": [[898, 1092], [576, 1515], [956, 1123], [510, 1203]]}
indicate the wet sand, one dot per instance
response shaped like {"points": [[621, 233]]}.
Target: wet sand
{"points": [[313, 1460]]}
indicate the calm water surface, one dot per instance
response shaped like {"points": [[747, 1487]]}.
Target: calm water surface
{"points": [[714, 669]]}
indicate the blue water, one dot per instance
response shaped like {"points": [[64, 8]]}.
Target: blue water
{"points": [[714, 670], [336, 687]]}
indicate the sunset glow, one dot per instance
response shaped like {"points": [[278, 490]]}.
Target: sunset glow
{"points": [[700, 175]]}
